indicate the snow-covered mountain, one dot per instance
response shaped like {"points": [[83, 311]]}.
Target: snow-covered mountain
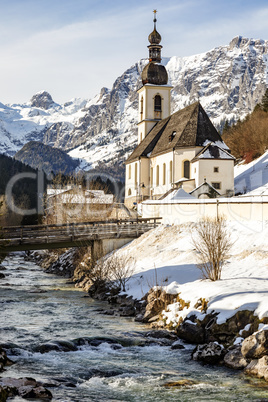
{"points": [[228, 80]]}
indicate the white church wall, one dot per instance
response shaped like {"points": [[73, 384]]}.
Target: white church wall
{"points": [[144, 182], [161, 180], [216, 171], [132, 174], [180, 156]]}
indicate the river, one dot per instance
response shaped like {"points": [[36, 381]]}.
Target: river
{"points": [[37, 308]]}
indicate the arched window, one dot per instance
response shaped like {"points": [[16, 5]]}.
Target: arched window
{"points": [[164, 173], [136, 174], [157, 175], [157, 107], [141, 105], [170, 171], [129, 172], [141, 138], [129, 191], [186, 169], [151, 176]]}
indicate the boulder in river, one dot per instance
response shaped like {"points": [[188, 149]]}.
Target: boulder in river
{"points": [[211, 353], [58, 345], [25, 387], [234, 359], [255, 346], [258, 368], [4, 360], [180, 383], [191, 332]]}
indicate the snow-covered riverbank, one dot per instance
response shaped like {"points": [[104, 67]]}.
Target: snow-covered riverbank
{"points": [[166, 257]]}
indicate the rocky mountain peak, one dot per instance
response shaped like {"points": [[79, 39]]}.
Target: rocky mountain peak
{"points": [[228, 81], [42, 100], [241, 42]]}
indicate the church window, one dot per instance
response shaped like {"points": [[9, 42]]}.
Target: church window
{"points": [[170, 171], [216, 169], [186, 169], [164, 173], [136, 174], [152, 176], [129, 191], [141, 108], [157, 107], [217, 185], [157, 175], [129, 172]]}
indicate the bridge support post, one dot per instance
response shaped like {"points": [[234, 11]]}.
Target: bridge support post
{"points": [[100, 248]]}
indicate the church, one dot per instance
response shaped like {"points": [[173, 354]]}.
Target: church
{"points": [[179, 150]]}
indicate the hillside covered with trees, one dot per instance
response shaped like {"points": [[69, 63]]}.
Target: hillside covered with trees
{"points": [[248, 139], [44, 157], [24, 191]]}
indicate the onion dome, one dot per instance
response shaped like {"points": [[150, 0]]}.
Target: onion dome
{"points": [[154, 38], [154, 72]]}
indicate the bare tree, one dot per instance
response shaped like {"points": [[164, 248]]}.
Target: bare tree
{"points": [[97, 269], [120, 269], [211, 240]]}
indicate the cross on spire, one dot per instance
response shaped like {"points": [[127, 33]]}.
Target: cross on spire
{"points": [[155, 11]]}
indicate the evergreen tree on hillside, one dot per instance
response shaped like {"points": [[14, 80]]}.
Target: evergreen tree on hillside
{"points": [[264, 101]]}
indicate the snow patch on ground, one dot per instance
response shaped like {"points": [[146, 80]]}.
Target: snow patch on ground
{"points": [[166, 257], [252, 178]]}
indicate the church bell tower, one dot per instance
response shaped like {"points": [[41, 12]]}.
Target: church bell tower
{"points": [[154, 95]]}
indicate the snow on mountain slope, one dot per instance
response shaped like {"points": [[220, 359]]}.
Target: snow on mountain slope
{"points": [[228, 81], [252, 178], [20, 124]]}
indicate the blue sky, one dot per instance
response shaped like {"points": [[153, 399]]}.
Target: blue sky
{"points": [[72, 48]]}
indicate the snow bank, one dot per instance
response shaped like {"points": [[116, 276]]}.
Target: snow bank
{"points": [[252, 178], [166, 257]]}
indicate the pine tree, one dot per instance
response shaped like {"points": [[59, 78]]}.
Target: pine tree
{"points": [[264, 101], [226, 126]]}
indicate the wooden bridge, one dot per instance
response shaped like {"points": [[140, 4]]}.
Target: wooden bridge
{"points": [[108, 235]]}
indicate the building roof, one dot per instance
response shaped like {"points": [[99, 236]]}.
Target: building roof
{"points": [[176, 194], [189, 127], [213, 151], [205, 188]]}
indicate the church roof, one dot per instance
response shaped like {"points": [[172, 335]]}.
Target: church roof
{"points": [[189, 127]]}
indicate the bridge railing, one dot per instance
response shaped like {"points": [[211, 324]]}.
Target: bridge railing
{"points": [[78, 230]]}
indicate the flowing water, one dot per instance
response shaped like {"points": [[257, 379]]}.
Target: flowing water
{"points": [[38, 308]]}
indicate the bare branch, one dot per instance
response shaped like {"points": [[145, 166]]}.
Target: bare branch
{"points": [[212, 243]]}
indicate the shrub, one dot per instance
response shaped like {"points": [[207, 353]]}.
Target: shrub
{"points": [[120, 269], [212, 242]]}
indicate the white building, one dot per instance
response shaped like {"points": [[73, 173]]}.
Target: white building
{"points": [[183, 149]]}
